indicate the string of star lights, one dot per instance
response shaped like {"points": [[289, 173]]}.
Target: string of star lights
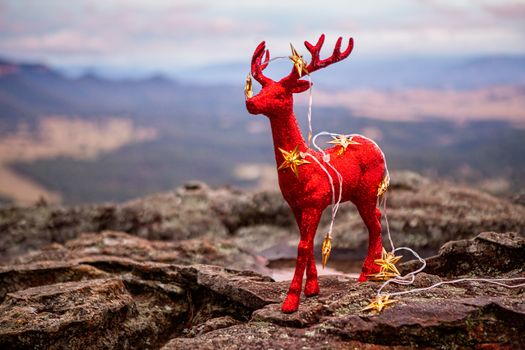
{"points": [[382, 299], [389, 274], [300, 65], [294, 158], [388, 271]]}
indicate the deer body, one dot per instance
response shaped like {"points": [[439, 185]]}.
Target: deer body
{"points": [[361, 165]]}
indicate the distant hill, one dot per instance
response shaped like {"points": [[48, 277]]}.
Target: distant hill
{"points": [[28, 91], [31, 90]]}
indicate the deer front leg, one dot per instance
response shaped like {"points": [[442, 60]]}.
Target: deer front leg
{"points": [[307, 219], [311, 288]]}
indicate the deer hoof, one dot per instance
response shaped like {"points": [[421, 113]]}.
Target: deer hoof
{"points": [[311, 288], [291, 304], [362, 277]]}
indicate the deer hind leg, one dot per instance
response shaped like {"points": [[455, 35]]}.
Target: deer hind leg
{"points": [[308, 220], [371, 216]]}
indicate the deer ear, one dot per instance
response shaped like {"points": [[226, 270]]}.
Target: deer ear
{"points": [[300, 86]]}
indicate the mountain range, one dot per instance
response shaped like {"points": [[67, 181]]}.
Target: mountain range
{"points": [[384, 73], [204, 132]]}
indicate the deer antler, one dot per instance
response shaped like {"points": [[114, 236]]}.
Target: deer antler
{"points": [[316, 63], [258, 64], [337, 55]]}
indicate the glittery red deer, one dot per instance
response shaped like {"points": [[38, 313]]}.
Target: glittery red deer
{"points": [[304, 185]]}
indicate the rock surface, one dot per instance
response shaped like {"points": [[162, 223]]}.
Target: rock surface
{"points": [[116, 298], [120, 244], [489, 253], [423, 214]]}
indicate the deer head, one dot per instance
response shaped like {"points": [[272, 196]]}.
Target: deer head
{"points": [[275, 97]]}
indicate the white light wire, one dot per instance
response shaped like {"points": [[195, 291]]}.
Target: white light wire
{"points": [[326, 158], [409, 278]]}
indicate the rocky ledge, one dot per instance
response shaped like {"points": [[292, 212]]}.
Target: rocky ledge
{"points": [[424, 214], [123, 296]]}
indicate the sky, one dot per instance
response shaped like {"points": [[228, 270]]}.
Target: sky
{"points": [[160, 34]]}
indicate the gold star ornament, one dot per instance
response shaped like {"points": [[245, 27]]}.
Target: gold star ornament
{"points": [[379, 303], [383, 186], [248, 87], [387, 263], [326, 249], [343, 141], [292, 160], [298, 61]]}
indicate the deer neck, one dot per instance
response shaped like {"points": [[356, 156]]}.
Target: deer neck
{"points": [[286, 134]]}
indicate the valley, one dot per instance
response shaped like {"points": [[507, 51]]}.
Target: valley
{"points": [[92, 139]]}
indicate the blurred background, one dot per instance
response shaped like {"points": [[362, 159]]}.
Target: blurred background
{"points": [[111, 100]]}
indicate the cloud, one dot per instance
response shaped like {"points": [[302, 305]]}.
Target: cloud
{"points": [[509, 11], [440, 40], [198, 31], [446, 27], [62, 42]]}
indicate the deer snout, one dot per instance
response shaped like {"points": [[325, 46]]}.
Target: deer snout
{"points": [[251, 106]]}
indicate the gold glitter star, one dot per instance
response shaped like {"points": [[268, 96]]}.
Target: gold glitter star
{"points": [[248, 90], [325, 250], [292, 160], [379, 303], [343, 141], [383, 186], [388, 268], [298, 61], [388, 262]]}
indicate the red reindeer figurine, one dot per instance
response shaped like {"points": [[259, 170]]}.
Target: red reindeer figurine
{"points": [[304, 184]]}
